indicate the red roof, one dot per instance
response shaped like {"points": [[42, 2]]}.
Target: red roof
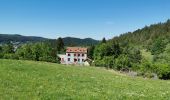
{"points": [[76, 49]]}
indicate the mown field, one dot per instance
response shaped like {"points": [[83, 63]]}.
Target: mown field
{"points": [[28, 80]]}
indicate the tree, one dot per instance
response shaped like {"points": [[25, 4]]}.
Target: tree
{"points": [[102, 50], [0, 48], [91, 51], [108, 62], [122, 62], [163, 57], [41, 51], [37, 50], [134, 55], [104, 40], [60, 44], [116, 50], [8, 48], [158, 46], [1, 52]]}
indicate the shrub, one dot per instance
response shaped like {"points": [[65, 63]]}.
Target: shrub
{"points": [[145, 67], [1, 55], [108, 61], [10, 56], [122, 62], [163, 70]]}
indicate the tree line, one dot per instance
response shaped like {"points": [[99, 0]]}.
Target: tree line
{"points": [[39, 51]]}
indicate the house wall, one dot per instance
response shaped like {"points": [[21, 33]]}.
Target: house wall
{"points": [[72, 57], [62, 56]]}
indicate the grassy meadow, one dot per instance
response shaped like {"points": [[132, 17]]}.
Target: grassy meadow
{"points": [[29, 80]]}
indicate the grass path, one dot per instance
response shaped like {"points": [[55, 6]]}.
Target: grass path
{"points": [[39, 80]]}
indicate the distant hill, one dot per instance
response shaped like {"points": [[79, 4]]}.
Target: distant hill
{"points": [[19, 38], [147, 35], [77, 41], [68, 41]]}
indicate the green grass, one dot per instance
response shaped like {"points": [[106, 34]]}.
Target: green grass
{"points": [[39, 80]]}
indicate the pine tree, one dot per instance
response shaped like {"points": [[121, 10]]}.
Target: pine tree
{"points": [[91, 51], [104, 40], [60, 44]]}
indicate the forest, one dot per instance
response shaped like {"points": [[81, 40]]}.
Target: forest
{"points": [[145, 51], [38, 51]]}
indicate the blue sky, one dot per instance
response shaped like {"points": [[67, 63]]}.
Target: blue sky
{"points": [[79, 18]]}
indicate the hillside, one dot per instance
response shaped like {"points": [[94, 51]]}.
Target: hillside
{"points": [[40, 80], [67, 40], [147, 35]]}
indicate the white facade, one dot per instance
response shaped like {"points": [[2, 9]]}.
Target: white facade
{"points": [[74, 55], [62, 58], [75, 58]]}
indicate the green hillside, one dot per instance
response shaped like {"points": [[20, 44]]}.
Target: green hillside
{"points": [[146, 36], [40, 80], [145, 51]]}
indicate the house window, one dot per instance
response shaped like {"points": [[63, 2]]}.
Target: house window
{"points": [[75, 60], [78, 55], [68, 54], [82, 55], [82, 60], [78, 60], [74, 54], [68, 59]]}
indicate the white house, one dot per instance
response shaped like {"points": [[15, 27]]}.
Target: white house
{"points": [[74, 55]]}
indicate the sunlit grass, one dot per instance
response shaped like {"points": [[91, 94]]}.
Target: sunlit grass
{"points": [[40, 80]]}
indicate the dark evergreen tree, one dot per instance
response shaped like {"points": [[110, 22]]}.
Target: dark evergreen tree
{"points": [[91, 51], [158, 46], [116, 50], [104, 40], [1, 52], [0, 48], [60, 44]]}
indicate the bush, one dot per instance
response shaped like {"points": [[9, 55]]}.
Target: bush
{"points": [[122, 62], [145, 67], [10, 56], [108, 62], [163, 71], [146, 74], [1, 55], [49, 59]]}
